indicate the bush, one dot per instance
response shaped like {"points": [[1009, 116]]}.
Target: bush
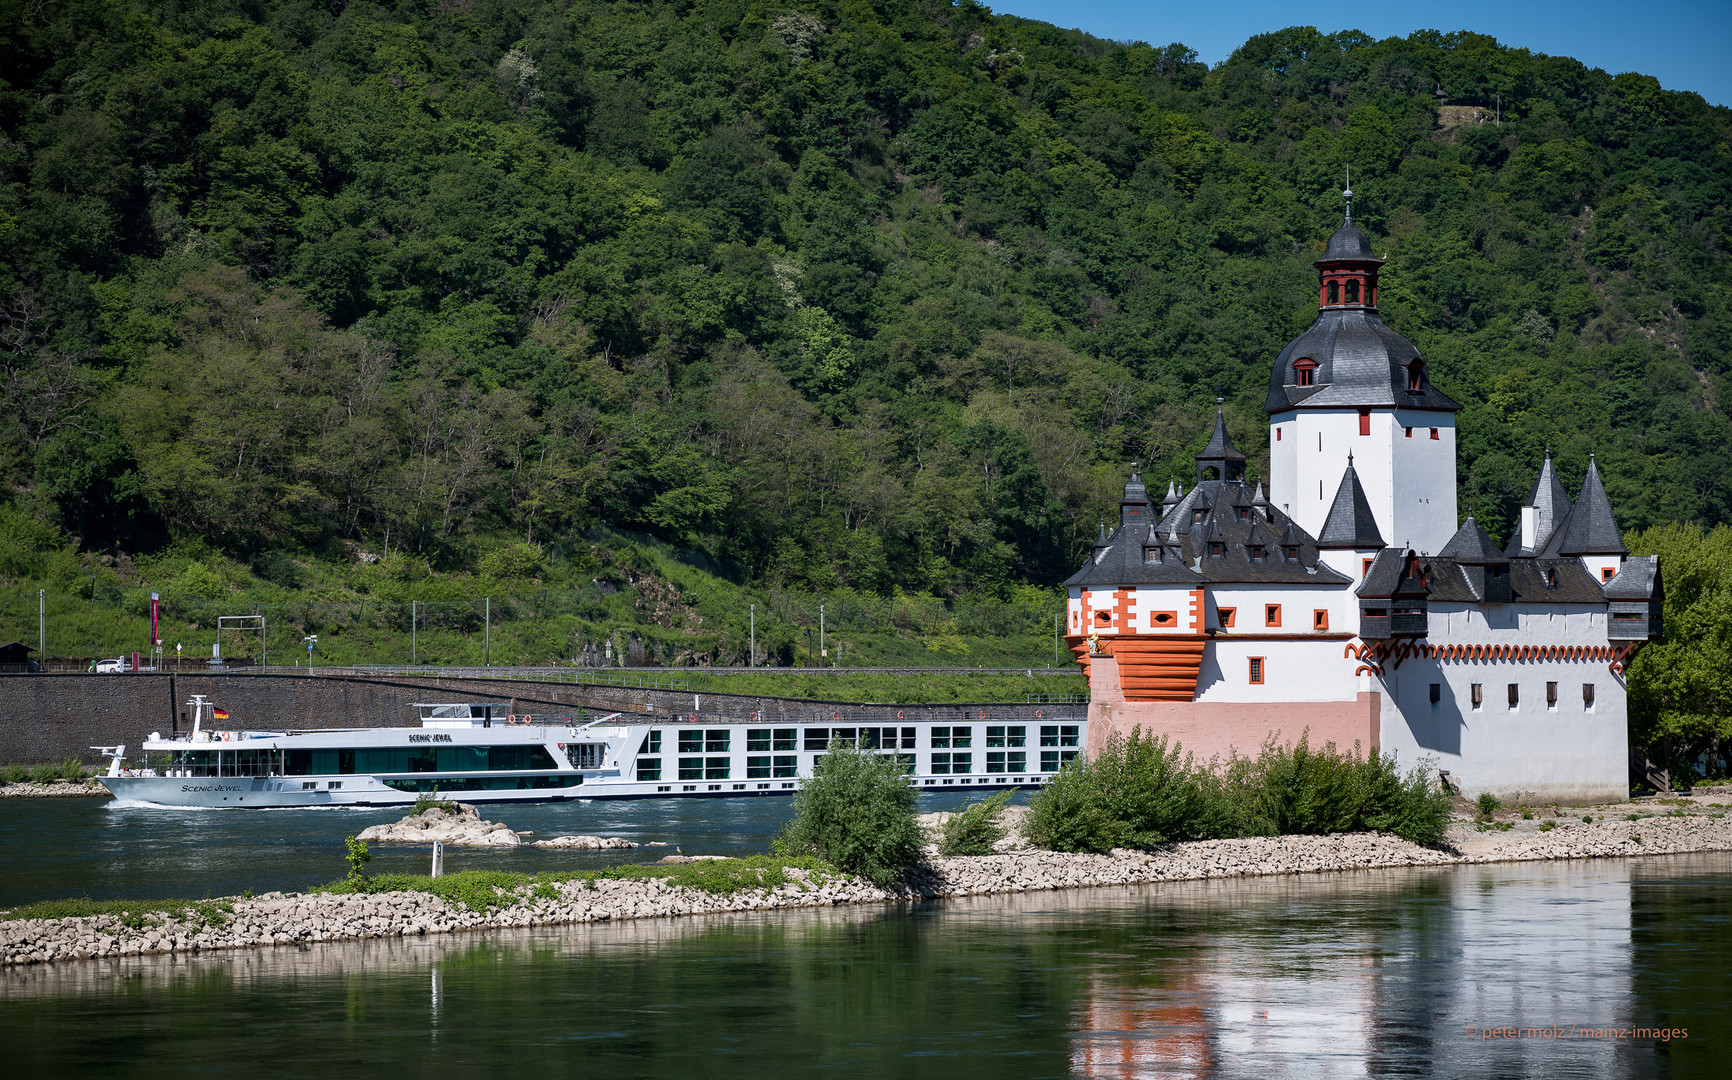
{"points": [[1137, 793], [69, 769], [1488, 804], [857, 813], [14, 774], [358, 857], [430, 800], [975, 829]]}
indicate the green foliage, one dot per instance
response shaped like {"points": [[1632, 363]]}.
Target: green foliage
{"points": [[975, 828], [1680, 698], [1140, 792], [133, 914], [67, 769], [430, 800], [487, 890], [1488, 804], [358, 857], [14, 774], [872, 296], [856, 812]]}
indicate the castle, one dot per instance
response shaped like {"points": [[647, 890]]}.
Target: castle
{"points": [[1347, 605]]}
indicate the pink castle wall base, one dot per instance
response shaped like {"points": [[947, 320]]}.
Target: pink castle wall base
{"points": [[1216, 729]]}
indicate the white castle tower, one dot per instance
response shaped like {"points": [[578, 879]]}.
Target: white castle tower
{"points": [[1351, 385]]}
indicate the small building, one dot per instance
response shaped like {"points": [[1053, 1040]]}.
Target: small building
{"points": [[15, 656], [1348, 603]]}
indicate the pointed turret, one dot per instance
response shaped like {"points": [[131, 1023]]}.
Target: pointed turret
{"points": [[1350, 523], [1591, 529], [1220, 457], [1171, 500], [1485, 568], [1547, 507], [1134, 506]]}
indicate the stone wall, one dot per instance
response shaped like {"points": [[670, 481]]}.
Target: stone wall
{"points": [[46, 717]]}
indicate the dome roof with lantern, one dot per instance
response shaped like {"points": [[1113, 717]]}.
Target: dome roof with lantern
{"points": [[1349, 358]]}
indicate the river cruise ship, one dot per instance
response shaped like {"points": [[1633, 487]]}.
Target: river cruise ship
{"points": [[478, 753]]}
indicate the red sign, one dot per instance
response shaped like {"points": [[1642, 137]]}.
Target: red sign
{"points": [[154, 640]]}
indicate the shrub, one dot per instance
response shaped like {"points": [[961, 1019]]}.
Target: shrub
{"points": [[1140, 792], [975, 829], [856, 812], [1488, 804], [430, 800], [1137, 793], [14, 774], [358, 858], [1295, 790], [68, 769]]}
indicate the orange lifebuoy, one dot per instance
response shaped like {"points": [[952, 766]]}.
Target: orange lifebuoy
{"points": [[228, 736]]}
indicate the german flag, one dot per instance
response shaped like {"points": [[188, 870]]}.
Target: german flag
{"points": [[217, 712]]}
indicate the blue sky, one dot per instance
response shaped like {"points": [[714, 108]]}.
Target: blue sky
{"points": [[1683, 43]]}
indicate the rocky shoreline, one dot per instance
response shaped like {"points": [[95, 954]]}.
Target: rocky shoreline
{"points": [[295, 919], [57, 789]]}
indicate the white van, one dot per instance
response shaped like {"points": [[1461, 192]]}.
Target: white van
{"points": [[116, 666]]}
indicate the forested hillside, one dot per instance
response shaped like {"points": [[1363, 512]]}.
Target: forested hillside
{"points": [[865, 295]]}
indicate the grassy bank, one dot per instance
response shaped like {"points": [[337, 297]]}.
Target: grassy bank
{"points": [[44, 773]]}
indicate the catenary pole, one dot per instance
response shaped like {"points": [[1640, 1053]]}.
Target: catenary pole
{"points": [[752, 655], [487, 646]]}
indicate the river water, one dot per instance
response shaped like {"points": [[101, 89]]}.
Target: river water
{"points": [[1400, 972]]}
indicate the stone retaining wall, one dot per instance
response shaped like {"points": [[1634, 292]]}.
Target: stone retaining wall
{"points": [[294, 919], [47, 717]]}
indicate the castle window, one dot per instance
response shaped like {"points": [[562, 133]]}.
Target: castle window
{"points": [[1415, 376], [1153, 555], [1436, 694], [1364, 421], [1217, 550], [1277, 434], [1353, 290], [1272, 615], [1256, 671], [1587, 697], [1256, 552], [1476, 694], [1365, 568], [1433, 434], [1166, 618], [1244, 513], [1226, 616], [1197, 516], [1515, 696], [1334, 293], [1409, 432], [1607, 573], [1552, 696], [1552, 578], [1304, 372], [1291, 551], [1103, 618], [1320, 620]]}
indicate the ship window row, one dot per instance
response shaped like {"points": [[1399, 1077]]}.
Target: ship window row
{"points": [[366, 760], [1060, 735], [704, 741], [715, 768], [866, 738], [445, 784], [766, 767], [761, 740]]}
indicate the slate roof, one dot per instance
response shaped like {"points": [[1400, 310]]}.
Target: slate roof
{"points": [[1360, 362], [1220, 446], [1590, 529], [1350, 523], [1470, 545], [1551, 505], [1637, 579], [1348, 244], [1445, 580], [1180, 534]]}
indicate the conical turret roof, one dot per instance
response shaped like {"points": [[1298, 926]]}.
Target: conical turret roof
{"points": [[1220, 446], [1472, 547], [1590, 528], [1350, 523]]}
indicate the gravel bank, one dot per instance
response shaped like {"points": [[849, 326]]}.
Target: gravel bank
{"points": [[293, 919], [58, 789]]}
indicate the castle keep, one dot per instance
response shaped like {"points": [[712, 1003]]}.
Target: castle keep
{"points": [[1347, 603]]}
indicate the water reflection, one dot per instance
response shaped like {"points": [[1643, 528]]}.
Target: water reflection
{"points": [[1372, 974]]}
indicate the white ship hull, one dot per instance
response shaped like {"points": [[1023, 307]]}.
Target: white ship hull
{"points": [[464, 752]]}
